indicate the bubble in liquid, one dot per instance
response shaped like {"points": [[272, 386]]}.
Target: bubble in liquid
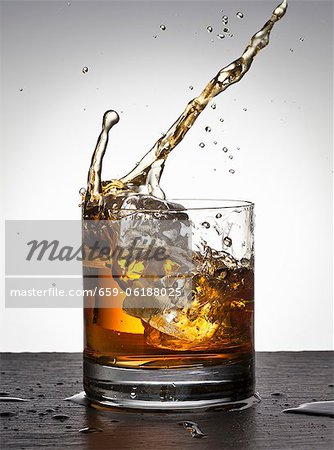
{"points": [[239, 15], [85, 69], [220, 36], [209, 29], [232, 171], [218, 216], [207, 129], [191, 87], [213, 106], [225, 149], [163, 27], [206, 225], [231, 156], [227, 241], [202, 145], [301, 39]]}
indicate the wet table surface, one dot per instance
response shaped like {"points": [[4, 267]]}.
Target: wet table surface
{"points": [[284, 379]]}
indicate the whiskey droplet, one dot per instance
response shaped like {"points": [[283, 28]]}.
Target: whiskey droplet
{"points": [[163, 27], [227, 241], [207, 129], [240, 15], [232, 171], [209, 29], [225, 149], [85, 69], [202, 145]]}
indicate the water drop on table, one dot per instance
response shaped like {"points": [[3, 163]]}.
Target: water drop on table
{"points": [[220, 36], [60, 417], [218, 216], [301, 39], [226, 30], [206, 225], [202, 145], [232, 171], [85, 69], [209, 29], [191, 87], [207, 129], [193, 429], [231, 156], [225, 149], [162, 27], [221, 119], [240, 15], [213, 106], [88, 430], [133, 395]]}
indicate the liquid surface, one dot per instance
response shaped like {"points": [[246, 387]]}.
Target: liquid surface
{"points": [[314, 409]]}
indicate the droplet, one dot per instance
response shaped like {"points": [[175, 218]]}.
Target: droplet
{"points": [[232, 171], [133, 395], [155, 36], [244, 109], [202, 145], [225, 30], [191, 87], [220, 36], [209, 29], [21, 89], [207, 129], [231, 34], [88, 430], [82, 191], [215, 142], [85, 69], [238, 148], [68, 3], [60, 417], [193, 429], [225, 20], [239, 15], [213, 106], [227, 241], [291, 50], [221, 119], [301, 39], [231, 156], [225, 149], [162, 27], [206, 225], [218, 216]]}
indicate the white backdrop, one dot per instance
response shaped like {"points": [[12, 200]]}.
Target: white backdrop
{"points": [[279, 115]]}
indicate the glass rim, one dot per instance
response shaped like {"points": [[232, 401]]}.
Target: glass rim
{"points": [[224, 205]]}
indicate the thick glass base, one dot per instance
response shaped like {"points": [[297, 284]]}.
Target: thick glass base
{"points": [[230, 386]]}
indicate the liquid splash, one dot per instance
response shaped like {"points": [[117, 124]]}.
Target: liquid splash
{"points": [[146, 175]]}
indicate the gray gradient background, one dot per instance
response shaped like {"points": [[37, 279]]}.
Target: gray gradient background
{"points": [[50, 128]]}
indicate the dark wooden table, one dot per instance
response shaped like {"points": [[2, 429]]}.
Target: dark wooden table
{"points": [[283, 379]]}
